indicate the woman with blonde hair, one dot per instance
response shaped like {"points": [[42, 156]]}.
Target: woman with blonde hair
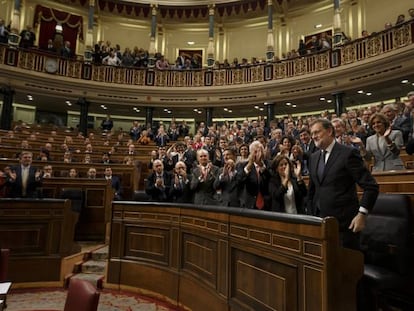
{"points": [[385, 145]]}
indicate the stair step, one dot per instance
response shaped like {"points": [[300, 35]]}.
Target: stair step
{"points": [[93, 278], [100, 254], [94, 266]]}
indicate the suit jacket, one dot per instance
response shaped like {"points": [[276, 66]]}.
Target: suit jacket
{"points": [[229, 189], [204, 191], [336, 194], [277, 193], [384, 158], [16, 187], [181, 193], [311, 149], [159, 194], [251, 186], [403, 124], [117, 187]]}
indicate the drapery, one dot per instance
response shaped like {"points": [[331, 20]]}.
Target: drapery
{"points": [[48, 18]]}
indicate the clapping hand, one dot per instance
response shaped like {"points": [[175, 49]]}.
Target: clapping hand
{"points": [[387, 132], [298, 169], [38, 174], [13, 175]]}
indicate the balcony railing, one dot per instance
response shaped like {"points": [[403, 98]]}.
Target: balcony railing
{"points": [[377, 44]]}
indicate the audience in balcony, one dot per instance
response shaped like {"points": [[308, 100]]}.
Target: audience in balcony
{"points": [[400, 19], [111, 59], [27, 37], [66, 51], [4, 32]]}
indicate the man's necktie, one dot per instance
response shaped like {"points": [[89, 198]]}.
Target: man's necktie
{"points": [[321, 165], [259, 197], [25, 177]]}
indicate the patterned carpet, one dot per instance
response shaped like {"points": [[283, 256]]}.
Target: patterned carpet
{"points": [[54, 299]]}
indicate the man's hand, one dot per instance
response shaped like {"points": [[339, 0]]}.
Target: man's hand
{"points": [[358, 223]]}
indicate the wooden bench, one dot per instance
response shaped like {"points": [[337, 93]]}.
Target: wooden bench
{"points": [[130, 175]]}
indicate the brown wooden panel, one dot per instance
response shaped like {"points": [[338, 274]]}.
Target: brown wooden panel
{"points": [[26, 238], [199, 257], [150, 244], [221, 259], [313, 280], [262, 284], [39, 233]]}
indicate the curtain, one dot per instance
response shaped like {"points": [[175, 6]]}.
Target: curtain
{"points": [[48, 18]]}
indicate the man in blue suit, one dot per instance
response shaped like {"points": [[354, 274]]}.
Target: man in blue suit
{"points": [[115, 183]]}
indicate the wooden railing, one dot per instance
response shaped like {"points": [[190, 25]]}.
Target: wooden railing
{"points": [[377, 44]]}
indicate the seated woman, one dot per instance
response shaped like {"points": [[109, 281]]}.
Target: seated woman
{"points": [[384, 145], [286, 186], [144, 139]]}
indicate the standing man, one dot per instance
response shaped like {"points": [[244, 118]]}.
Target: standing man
{"points": [[203, 179], [28, 38], [226, 181], [24, 179], [158, 183], [115, 183], [4, 32], [253, 177], [180, 191], [334, 172]]}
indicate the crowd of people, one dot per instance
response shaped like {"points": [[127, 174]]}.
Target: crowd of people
{"points": [[216, 162]]}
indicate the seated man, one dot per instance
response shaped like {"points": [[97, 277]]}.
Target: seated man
{"points": [[91, 173]]}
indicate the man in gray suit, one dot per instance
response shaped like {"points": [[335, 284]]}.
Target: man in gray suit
{"points": [[203, 179]]}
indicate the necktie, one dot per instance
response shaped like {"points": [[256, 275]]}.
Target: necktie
{"points": [[259, 197], [25, 177], [321, 165]]}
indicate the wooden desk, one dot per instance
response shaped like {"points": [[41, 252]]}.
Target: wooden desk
{"points": [[96, 212], [222, 259], [39, 233]]}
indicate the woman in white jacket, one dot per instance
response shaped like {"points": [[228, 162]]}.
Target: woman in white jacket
{"points": [[384, 145]]}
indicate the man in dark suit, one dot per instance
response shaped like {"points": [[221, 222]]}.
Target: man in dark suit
{"points": [[24, 179], [180, 191], [158, 183], [398, 122], [115, 183], [203, 179], [308, 147], [334, 172], [226, 182], [253, 178]]}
